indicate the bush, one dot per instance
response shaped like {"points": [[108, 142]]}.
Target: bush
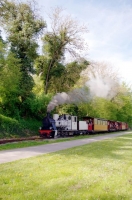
{"points": [[10, 127], [37, 106]]}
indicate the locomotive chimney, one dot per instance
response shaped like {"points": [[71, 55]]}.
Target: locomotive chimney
{"points": [[48, 114]]}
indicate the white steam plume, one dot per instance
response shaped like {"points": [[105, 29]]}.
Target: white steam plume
{"points": [[102, 87], [98, 82], [103, 81], [75, 96]]}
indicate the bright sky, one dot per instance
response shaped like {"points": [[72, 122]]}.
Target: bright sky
{"points": [[110, 29]]}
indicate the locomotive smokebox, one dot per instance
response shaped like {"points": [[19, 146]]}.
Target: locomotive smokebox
{"points": [[48, 122], [48, 128]]}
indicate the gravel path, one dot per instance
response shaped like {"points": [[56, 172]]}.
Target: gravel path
{"points": [[21, 153]]}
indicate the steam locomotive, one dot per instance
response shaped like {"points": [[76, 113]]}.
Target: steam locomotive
{"points": [[68, 125]]}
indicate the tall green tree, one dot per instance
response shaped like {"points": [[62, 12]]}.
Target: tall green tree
{"points": [[62, 77], [10, 77], [2, 50], [123, 102], [65, 37], [23, 26]]}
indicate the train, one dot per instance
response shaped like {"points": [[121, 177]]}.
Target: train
{"points": [[68, 125]]}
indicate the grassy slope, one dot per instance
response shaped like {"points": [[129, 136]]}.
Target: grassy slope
{"points": [[13, 128], [101, 170]]}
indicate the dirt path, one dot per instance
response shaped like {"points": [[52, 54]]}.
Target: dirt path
{"points": [[21, 153]]}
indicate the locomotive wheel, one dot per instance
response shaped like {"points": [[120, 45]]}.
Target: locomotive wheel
{"points": [[61, 134], [52, 134], [43, 136]]}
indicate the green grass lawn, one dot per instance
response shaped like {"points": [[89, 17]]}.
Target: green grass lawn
{"points": [[97, 171], [30, 143]]}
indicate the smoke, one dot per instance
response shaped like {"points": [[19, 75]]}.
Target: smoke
{"points": [[58, 99], [75, 96], [104, 87], [97, 83]]}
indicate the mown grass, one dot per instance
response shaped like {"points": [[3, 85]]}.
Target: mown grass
{"points": [[30, 143], [97, 171]]}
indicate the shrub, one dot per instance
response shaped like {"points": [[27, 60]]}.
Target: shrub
{"points": [[10, 127]]}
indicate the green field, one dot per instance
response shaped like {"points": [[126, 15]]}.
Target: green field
{"points": [[97, 171]]}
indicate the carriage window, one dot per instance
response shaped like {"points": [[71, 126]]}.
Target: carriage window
{"points": [[98, 122], [74, 119], [95, 121]]}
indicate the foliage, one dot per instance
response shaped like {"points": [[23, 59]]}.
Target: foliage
{"points": [[56, 73], [23, 26], [37, 105], [62, 77], [65, 78], [10, 127], [123, 102], [38, 85], [71, 109], [65, 35], [119, 109], [10, 76]]}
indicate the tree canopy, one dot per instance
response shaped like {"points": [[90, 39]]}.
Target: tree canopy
{"points": [[30, 78], [65, 36], [22, 26]]}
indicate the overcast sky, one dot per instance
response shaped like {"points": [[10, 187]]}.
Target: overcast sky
{"points": [[110, 29]]}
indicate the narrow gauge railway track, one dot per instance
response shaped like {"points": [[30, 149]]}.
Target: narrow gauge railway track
{"points": [[4, 141], [37, 138]]}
